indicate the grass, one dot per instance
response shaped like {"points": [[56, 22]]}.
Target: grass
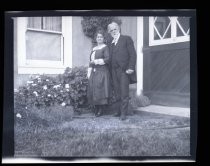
{"points": [[56, 133]]}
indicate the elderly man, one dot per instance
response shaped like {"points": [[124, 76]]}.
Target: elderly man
{"points": [[123, 62]]}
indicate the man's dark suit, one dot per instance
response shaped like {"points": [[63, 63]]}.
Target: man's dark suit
{"points": [[123, 57]]}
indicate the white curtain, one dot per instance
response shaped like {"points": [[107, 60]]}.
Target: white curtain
{"points": [[35, 22], [43, 46], [45, 23], [52, 23]]}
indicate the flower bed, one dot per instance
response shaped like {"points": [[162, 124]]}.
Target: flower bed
{"points": [[67, 89]]}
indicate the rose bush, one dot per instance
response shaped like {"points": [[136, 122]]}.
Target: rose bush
{"points": [[67, 89]]}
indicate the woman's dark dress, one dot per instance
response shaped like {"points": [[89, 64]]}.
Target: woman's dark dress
{"points": [[99, 81]]}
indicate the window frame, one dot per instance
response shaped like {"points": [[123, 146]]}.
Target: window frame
{"points": [[174, 38], [42, 26], [26, 66]]}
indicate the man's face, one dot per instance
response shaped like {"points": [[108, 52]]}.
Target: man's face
{"points": [[114, 30]]}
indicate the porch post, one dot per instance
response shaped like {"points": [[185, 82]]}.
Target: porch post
{"points": [[139, 56], [21, 41], [67, 34]]}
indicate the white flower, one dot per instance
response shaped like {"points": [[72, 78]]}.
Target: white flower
{"points": [[67, 90], [26, 107], [63, 104], [35, 93], [16, 90], [47, 80], [61, 91], [38, 76], [33, 84], [18, 115], [67, 86], [49, 95], [110, 147], [56, 86], [30, 82], [45, 87]]}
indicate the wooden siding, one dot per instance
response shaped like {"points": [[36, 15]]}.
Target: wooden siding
{"points": [[170, 71], [167, 74]]}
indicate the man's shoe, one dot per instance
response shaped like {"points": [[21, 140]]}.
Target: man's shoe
{"points": [[95, 111], [116, 114], [122, 117], [130, 113], [99, 113]]}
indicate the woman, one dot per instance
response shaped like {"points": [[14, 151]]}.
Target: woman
{"points": [[98, 75]]}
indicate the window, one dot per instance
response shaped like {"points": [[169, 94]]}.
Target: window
{"points": [[44, 40], [166, 30], [45, 23], [44, 44]]}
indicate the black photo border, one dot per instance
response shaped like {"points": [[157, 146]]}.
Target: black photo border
{"points": [[8, 115]]}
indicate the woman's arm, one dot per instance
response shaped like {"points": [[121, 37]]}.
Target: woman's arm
{"points": [[89, 72], [104, 60], [106, 55], [91, 63]]}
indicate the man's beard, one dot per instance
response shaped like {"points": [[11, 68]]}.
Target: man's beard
{"points": [[115, 35]]}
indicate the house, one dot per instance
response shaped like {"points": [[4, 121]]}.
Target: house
{"points": [[50, 44]]}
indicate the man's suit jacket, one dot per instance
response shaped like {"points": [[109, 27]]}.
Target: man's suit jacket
{"points": [[123, 55]]}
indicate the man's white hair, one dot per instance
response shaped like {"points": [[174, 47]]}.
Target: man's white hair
{"points": [[113, 24]]}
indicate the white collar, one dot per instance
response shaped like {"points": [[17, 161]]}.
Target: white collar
{"points": [[99, 47], [115, 40]]}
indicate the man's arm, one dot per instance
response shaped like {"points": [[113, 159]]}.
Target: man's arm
{"points": [[132, 55]]}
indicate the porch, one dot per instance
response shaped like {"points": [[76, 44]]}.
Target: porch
{"points": [[176, 111]]}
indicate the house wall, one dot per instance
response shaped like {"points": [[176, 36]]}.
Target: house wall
{"points": [[166, 74], [129, 27], [19, 79], [166, 68], [81, 45]]}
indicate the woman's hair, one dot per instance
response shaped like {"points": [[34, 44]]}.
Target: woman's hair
{"points": [[99, 31]]}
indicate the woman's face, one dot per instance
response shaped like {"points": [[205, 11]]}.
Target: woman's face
{"points": [[99, 38]]}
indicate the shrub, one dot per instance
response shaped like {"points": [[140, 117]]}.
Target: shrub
{"points": [[77, 82], [67, 89], [91, 24], [139, 101], [33, 117]]}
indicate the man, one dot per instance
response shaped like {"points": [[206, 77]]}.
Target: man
{"points": [[123, 62]]}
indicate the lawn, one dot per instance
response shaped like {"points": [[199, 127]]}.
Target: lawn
{"points": [[56, 132]]}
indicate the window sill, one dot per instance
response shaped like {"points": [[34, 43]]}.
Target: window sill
{"points": [[42, 30], [40, 70]]}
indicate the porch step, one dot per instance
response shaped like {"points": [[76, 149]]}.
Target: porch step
{"points": [[177, 111]]}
